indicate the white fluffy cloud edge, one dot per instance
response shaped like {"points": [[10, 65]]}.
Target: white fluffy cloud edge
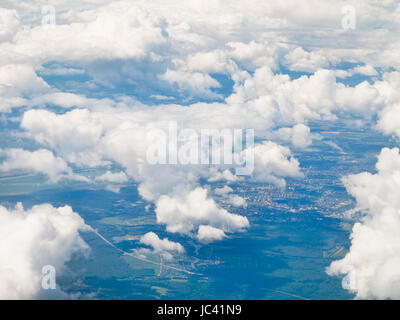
{"points": [[35, 238], [175, 48], [372, 265]]}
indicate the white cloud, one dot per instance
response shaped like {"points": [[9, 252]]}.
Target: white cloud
{"points": [[300, 60], [59, 71], [40, 161], [185, 213], [366, 70], [61, 99], [208, 234], [237, 201], [117, 30], [56, 132], [273, 162], [195, 83], [282, 101], [389, 87], [389, 120], [223, 191], [115, 177], [9, 23], [162, 246], [299, 135], [363, 98], [254, 55], [372, 265], [209, 61], [18, 82], [233, 199], [21, 78], [223, 175], [31, 239]]}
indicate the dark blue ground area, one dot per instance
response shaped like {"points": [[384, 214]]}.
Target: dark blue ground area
{"points": [[282, 256]]}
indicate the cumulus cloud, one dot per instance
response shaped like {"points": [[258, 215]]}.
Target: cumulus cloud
{"points": [[208, 234], [366, 70], [31, 239], [389, 120], [9, 23], [299, 135], [272, 162], [113, 178], [225, 175], [301, 60], [237, 201], [59, 71], [120, 30], [209, 61], [117, 177], [363, 98], [18, 82], [223, 191], [21, 78], [372, 265], [40, 161], [54, 131], [184, 214], [61, 99], [162, 246], [233, 199], [196, 83]]}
